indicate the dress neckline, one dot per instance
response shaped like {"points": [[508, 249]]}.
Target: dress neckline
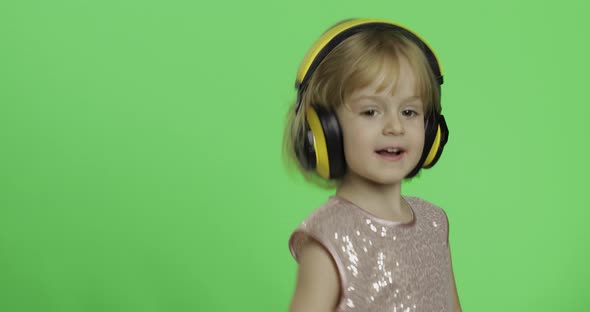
{"points": [[376, 218]]}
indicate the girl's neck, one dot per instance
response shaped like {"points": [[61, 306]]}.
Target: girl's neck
{"points": [[382, 200]]}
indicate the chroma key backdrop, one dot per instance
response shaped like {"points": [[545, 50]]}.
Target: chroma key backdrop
{"points": [[140, 151]]}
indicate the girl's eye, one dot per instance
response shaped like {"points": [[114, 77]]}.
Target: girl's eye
{"points": [[370, 113], [409, 113]]}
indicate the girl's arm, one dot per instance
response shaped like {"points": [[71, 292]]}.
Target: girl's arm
{"points": [[318, 285]]}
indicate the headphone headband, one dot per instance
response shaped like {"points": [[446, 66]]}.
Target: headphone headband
{"points": [[340, 32]]}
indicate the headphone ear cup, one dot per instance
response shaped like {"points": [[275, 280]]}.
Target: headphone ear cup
{"points": [[326, 143], [306, 154], [334, 142], [439, 142], [430, 130]]}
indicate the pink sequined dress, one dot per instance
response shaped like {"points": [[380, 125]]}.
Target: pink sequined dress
{"points": [[383, 265]]}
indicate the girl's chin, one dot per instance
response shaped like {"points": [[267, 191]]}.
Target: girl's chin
{"points": [[377, 178]]}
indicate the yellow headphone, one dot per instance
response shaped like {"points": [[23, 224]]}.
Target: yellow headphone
{"points": [[323, 148]]}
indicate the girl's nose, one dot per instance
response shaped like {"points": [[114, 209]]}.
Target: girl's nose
{"points": [[393, 126]]}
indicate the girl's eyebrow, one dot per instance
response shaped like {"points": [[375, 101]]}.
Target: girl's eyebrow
{"points": [[412, 98], [380, 98]]}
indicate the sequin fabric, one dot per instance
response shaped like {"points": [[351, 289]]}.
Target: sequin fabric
{"points": [[383, 265]]}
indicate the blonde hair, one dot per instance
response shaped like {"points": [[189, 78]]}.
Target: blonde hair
{"points": [[352, 65]]}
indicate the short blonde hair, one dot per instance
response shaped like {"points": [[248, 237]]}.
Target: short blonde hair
{"points": [[352, 65]]}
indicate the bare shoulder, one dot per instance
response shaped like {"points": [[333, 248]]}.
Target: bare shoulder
{"points": [[318, 283]]}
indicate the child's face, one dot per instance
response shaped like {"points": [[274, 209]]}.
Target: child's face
{"points": [[372, 121]]}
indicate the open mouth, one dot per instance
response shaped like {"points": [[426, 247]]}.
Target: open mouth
{"points": [[394, 151]]}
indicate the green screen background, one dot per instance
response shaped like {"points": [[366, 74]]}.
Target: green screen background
{"points": [[140, 151]]}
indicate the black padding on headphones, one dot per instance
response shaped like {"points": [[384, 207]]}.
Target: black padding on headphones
{"points": [[430, 128], [334, 141], [444, 136], [306, 155]]}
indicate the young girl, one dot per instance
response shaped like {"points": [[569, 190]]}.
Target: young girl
{"points": [[368, 116]]}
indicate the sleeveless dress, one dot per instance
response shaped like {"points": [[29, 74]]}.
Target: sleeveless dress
{"points": [[383, 265]]}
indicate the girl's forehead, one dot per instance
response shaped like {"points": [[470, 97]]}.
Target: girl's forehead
{"points": [[390, 83]]}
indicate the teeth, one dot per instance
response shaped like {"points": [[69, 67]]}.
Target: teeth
{"points": [[393, 150]]}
